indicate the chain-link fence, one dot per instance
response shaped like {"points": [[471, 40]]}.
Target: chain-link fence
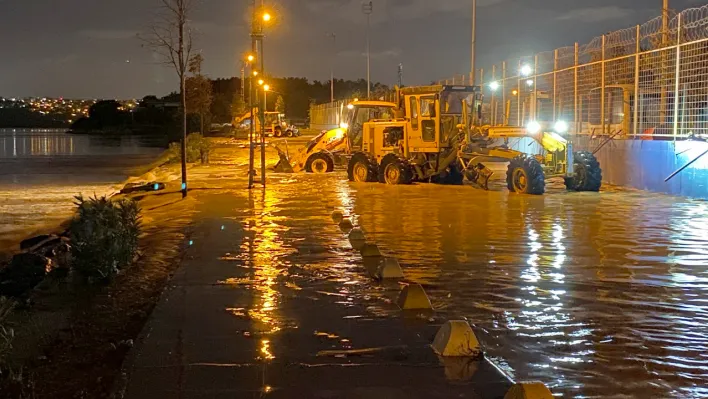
{"points": [[648, 81], [330, 115]]}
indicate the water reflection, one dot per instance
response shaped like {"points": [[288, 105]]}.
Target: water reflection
{"points": [[22, 143], [595, 295]]}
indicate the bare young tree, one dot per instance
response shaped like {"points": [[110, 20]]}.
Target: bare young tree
{"points": [[171, 38]]}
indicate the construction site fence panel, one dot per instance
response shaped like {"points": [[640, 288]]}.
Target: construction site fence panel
{"points": [[647, 82]]}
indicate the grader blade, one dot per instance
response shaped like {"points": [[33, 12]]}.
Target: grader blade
{"points": [[479, 175]]}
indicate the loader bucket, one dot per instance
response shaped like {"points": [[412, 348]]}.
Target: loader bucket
{"points": [[283, 166]]}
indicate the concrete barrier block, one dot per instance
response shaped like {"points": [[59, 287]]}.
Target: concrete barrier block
{"points": [[456, 338], [529, 390], [413, 296], [356, 234], [388, 268], [346, 225], [370, 250], [337, 217]]}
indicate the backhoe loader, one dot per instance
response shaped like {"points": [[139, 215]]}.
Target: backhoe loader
{"points": [[333, 147]]}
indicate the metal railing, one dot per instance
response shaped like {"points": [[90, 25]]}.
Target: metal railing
{"points": [[648, 81]]}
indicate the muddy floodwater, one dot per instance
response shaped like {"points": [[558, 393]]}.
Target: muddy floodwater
{"points": [[597, 295], [42, 170]]}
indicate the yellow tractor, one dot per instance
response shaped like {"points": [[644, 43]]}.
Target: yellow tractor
{"points": [[441, 140], [333, 147]]}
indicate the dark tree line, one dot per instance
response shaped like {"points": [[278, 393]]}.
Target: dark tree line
{"points": [[297, 94], [215, 101]]}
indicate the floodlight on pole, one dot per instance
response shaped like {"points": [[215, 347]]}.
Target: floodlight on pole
{"points": [[526, 70], [494, 85], [368, 8]]}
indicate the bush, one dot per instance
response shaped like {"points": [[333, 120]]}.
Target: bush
{"points": [[104, 236], [198, 149]]}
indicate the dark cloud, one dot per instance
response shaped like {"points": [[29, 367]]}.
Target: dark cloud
{"points": [[88, 48]]}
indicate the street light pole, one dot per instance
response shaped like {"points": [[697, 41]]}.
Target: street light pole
{"points": [[331, 66], [368, 8], [474, 42]]}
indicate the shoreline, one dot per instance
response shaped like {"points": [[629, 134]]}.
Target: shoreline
{"points": [[10, 241]]}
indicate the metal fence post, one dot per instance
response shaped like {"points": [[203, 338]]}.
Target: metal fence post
{"points": [[602, 86], [518, 96], [494, 106], [555, 68], [534, 105], [578, 122], [503, 87], [637, 71], [678, 76]]}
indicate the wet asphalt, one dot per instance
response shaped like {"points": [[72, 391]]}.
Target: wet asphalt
{"points": [[595, 294]]}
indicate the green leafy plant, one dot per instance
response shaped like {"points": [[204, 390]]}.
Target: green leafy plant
{"points": [[104, 237], [198, 149]]}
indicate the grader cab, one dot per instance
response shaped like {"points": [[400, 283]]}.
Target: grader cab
{"points": [[441, 140]]}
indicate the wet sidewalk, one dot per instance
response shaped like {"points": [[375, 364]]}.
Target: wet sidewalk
{"points": [[271, 301]]}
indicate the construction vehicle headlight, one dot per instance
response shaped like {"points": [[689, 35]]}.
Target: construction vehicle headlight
{"points": [[561, 127], [344, 125], [533, 127]]}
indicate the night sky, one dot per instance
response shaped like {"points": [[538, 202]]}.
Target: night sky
{"points": [[90, 49]]}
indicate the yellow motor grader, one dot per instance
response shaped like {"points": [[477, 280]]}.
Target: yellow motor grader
{"points": [[441, 140]]}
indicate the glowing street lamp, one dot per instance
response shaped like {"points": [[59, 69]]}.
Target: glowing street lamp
{"points": [[526, 70], [494, 86], [255, 73], [266, 87], [529, 82], [250, 58], [267, 17], [260, 82]]}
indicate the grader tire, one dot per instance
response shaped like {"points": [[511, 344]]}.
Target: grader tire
{"points": [[387, 159], [454, 175], [525, 176], [361, 169], [397, 172], [588, 174], [319, 163]]}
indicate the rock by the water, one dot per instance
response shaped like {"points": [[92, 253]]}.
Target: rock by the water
{"points": [[24, 272]]}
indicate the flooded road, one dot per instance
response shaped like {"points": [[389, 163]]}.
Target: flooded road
{"points": [[597, 295]]}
